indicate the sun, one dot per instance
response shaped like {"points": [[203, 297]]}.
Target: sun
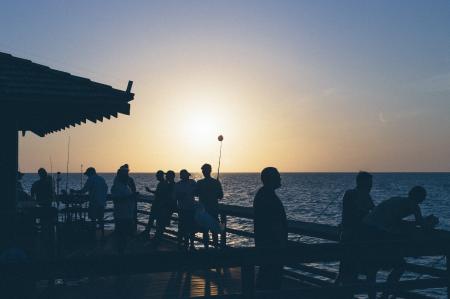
{"points": [[201, 129]]}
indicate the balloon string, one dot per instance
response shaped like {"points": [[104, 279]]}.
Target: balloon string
{"points": [[220, 157]]}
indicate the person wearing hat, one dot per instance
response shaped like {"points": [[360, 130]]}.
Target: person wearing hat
{"points": [[209, 192], [184, 192], [97, 189]]}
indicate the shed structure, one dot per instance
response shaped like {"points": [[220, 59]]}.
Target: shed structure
{"points": [[36, 98]]}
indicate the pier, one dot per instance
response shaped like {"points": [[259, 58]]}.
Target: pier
{"points": [[89, 269]]}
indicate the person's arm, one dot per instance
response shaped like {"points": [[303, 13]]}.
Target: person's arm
{"points": [[85, 188], [418, 216]]}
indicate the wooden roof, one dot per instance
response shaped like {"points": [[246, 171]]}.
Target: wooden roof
{"points": [[44, 100]]}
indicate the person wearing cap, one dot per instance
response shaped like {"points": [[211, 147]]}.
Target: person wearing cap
{"points": [[42, 189], [209, 192], [159, 208], [97, 189], [270, 227], [184, 192]]}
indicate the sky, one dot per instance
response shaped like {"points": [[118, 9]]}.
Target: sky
{"points": [[299, 85]]}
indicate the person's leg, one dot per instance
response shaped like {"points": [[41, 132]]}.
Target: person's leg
{"points": [[215, 237], [205, 239]]}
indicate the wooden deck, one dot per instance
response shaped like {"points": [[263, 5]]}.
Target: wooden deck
{"points": [[179, 284]]}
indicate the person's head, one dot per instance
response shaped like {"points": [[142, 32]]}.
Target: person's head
{"points": [[271, 178], [418, 194], [160, 175], [122, 175], [364, 181], [206, 170], [90, 171], [170, 175], [42, 173], [184, 174], [125, 168]]}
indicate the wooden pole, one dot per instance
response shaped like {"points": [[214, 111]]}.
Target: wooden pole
{"points": [[8, 164]]}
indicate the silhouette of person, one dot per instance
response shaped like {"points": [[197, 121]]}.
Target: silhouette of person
{"points": [[130, 180], [170, 180], [159, 206], [270, 227], [184, 192], [42, 192], [42, 189], [209, 192], [357, 203], [384, 222], [97, 189], [124, 205], [21, 194]]}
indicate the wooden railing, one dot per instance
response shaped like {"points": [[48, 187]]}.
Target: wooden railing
{"points": [[297, 257]]}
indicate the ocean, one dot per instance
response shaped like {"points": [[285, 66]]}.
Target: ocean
{"points": [[315, 197]]}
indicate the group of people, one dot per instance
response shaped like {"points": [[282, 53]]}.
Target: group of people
{"points": [[362, 220], [181, 196]]}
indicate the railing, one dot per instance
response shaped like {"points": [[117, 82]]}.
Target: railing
{"points": [[296, 257]]}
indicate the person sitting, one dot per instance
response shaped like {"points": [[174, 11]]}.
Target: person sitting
{"points": [[384, 222], [97, 189], [209, 192], [356, 204], [124, 205], [270, 227], [184, 194]]}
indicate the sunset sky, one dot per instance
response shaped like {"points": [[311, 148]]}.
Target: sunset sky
{"points": [[300, 85]]}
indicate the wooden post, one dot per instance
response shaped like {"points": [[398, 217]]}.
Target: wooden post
{"points": [[248, 281], [223, 235], [8, 164]]}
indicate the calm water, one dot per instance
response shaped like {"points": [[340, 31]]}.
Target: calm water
{"points": [[312, 196]]}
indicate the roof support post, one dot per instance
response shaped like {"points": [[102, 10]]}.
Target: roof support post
{"points": [[8, 163]]}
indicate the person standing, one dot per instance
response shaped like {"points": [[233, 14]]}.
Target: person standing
{"points": [[184, 192], [159, 205], [97, 189], [42, 189], [209, 192], [270, 227], [357, 203], [124, 205]]}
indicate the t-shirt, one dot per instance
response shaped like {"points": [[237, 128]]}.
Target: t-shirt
{"points": [[355, 206], [97, 189], [42, 189], [270, 223], [389, 213], [209, 191], [184, 192]]}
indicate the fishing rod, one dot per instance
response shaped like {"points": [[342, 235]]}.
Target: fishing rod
{"points": [[220, 138], [81, 176], [67, 165]]}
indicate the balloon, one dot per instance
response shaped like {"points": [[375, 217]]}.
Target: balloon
{"points": [[220, 138]]}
